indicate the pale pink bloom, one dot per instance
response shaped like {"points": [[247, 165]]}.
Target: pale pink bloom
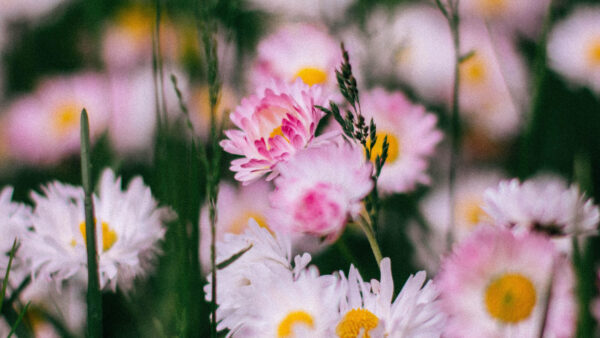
{"points": [[13, 10], [574, 47], [313, 10], [319, 189], [525, 17], [44, 127], [297, 51], [545, 204], [235, 209], [275, 123], [493, 264], [412, 137]]}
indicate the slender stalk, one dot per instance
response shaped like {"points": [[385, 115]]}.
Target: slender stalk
{"points": [[13, 250], [370, 233], [21, 315], [451, 14], [94, 296]]}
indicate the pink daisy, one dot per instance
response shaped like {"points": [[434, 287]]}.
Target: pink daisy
{"points": [[319, 188], [275, 123], [495, 284]]}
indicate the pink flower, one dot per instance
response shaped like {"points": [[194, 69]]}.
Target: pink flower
{"points": [[44, 127], [296, 51], [318, 189], [412, 137], [495, 284], [275, 124]]}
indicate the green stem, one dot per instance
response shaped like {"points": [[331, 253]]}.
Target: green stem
{"points": [[94, 296], [368, 230], [5, 281]]}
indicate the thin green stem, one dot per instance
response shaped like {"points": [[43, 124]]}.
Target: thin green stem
{"points": [[368, 230], [21, 315], [13, 250], [94, 295]]}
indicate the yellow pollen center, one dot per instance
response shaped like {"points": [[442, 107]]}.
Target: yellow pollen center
{"points": [[109, 236], [286, 326], [136, 21], [473, 70], [356, 321], [241, 223], [278, 131], [311, 76], [393, 149], [593, 52], [492, 7], [470, 212], [510, 298], [66, 118]]}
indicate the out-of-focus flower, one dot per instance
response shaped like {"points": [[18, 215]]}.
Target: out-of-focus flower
{"points": [[411, 134], [493, 82], [574, 47], [199, 106], [495, 284], [15, 218], [44, 127], [319, 189], [432, 243], [236, 207], [523, 16], [301, 51], [543, 204], [132, 125], [367, 308], [316, 10], [127, 40], [414, 44], [67, 305], [275, 123], [13, 10], [128, 227]]}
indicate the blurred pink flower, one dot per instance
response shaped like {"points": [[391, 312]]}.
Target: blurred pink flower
{"points": [[44, 127], [412, 137], [296, 51], [495, 283], [319, 188], [275, 123]]}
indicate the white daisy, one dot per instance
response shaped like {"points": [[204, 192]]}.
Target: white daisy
{"points": [[129, 226], [544, 204], [574, 47], [368, 310]]}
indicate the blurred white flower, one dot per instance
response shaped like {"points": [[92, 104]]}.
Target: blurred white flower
{"points": [[317, 10], [574, 47]]}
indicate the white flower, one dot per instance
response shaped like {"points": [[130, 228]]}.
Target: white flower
{"points": [[331, 10], [544, 204], [14, 220], [368, 308], [129, 226], [574, 47]]}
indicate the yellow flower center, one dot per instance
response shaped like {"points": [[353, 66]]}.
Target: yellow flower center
{"points": [[492, 7], [393, 149], [470, 211], [593, 52], [294, 318], [241, 223], [356, 321], [510, 298], [109, 236], [66, 118], [473, 70], [278, 131], [136, 21], [311, 76]]}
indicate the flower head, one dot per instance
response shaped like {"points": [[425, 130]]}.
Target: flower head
{"points": [[128, 227], [368, 308], [313, 10], [574, 47], [275, 124], [494, 284], [543, 204], [15, 218], [295, 51], [319, 189], [43, 128], [411, 134]]}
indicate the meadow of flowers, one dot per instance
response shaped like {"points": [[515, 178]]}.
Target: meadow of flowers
{"points": [[283, 168]]}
